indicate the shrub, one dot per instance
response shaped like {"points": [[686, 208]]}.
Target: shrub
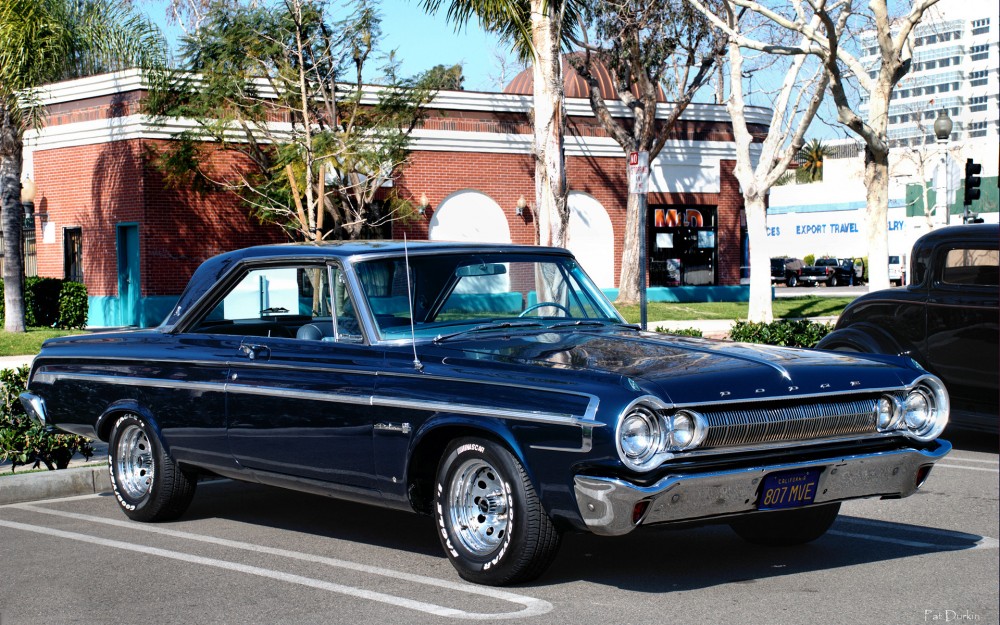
{"points": [[72, 306], [785, 332], [695, 332], [41, 301], [50, 302], [22, 441], [810, 259]]}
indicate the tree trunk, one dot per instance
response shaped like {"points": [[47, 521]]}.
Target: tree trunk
{"points": [[628, 282], [876, 218], [551, 209], [760, 262], [11, 218]]}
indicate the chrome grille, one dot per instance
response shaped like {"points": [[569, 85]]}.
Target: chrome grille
{"points": [[738, 428]]}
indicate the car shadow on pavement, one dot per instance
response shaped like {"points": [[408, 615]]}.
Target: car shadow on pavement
{"points": [[655, 559], [312, 514], [666, 560]]}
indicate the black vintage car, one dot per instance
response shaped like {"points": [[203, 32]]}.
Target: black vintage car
{"points": [[493, 387], [946, 319]]}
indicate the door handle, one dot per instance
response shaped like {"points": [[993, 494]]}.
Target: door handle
{"points": [[255, 352]]}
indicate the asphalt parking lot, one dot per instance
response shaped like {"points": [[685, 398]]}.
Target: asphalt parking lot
{"points": [[251, 554]]}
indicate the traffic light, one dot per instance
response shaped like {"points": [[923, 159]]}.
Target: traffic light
{"points": [[972, 180]]}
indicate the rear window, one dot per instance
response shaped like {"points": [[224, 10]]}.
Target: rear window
{"points": [[977, 267]]}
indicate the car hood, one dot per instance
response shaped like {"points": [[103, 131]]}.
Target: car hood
{"points": [[685, 370]]}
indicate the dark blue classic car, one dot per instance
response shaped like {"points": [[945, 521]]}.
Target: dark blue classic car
{"points": [[493, 387]]}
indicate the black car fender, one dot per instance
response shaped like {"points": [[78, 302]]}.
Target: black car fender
{"points": [[865, 338]]}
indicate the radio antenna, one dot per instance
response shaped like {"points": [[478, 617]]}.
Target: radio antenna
{"points": [[409, 299]]}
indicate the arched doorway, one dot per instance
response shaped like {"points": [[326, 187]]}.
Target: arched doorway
{"points": [[469, 216], [592, 238]]}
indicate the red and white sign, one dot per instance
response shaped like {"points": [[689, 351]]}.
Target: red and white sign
{"points": [[638, 172]]}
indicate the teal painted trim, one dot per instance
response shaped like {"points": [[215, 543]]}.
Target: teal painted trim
{"points": [[693, 294], [824, 208], [106, 311]]}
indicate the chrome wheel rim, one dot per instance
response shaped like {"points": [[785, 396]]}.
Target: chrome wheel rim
{"points": [[479, 510], [134, 462]]}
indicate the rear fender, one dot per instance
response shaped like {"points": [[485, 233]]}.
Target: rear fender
{"points": [[122, 407]]}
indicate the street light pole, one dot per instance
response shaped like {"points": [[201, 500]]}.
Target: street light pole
{"points": [[942, 130]]}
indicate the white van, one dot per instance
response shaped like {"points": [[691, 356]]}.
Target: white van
{"points": [[897, 271]]}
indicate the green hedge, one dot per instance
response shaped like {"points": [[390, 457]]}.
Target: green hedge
{"points": [[23, 441], [52, 303], [787, 333]]}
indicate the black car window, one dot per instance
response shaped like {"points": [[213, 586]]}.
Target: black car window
{"points": [[971, 266]]}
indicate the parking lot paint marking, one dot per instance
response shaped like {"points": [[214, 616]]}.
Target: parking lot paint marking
{"points": [[955, 466], [532, 606], [976, 542], [954, 458]]}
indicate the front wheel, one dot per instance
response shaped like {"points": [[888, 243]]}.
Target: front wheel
{"points": [[785, 528], [147, 483], [489, 519]]}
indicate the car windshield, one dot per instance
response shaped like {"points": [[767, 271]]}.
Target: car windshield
{"points": [[459, 292]]}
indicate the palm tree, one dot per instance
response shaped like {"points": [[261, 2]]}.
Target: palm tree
{"points": [[535, 28], [43, 41], [811, 155]]}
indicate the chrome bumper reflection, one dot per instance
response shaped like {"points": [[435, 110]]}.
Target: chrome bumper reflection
{"points": [[34, 406], [607, 504]]}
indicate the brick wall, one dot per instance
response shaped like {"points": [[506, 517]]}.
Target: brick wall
{"points": [[97, 187]]}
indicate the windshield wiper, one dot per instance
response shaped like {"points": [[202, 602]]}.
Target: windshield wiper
{"points": [[501, 325], [578, 322]]}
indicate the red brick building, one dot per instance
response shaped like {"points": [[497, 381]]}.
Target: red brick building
{"points": [[103, 213]]}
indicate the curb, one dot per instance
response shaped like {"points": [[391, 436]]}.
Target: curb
{"points": [[53, 484]]}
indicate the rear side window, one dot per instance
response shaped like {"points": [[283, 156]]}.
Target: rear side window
{"points": [[970, 267]]}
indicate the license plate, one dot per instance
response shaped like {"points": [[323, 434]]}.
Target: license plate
{"points": [[789, 489]]}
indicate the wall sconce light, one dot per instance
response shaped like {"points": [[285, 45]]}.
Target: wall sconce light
{"points": [[423, 204], [29, 190], [522, 204]]}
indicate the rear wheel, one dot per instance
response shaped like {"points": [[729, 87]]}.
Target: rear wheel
{"points": [[147, 483], [833, 281], [793, 281], [489, 519], [785, 528]]}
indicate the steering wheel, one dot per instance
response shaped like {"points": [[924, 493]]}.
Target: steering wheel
{"points": [[543, 305]]}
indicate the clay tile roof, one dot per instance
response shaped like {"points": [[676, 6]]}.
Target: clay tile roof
{"points": [[574, 85]]}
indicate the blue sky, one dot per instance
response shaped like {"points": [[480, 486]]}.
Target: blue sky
{"points": [[421, 41]]}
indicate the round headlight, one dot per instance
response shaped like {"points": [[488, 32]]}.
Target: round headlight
{"points": [[685, 430], [887, 413], [925, 409], [639, 435]]}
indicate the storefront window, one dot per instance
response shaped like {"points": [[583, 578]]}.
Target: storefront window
{"points": [[683, 246]]}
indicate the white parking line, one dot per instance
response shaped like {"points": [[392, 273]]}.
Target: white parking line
{"points": [[956, 466], [983, 542], [532, 606], [960, 459]]}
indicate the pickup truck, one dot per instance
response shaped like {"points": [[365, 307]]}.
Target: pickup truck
{"points": [[833, 272]]}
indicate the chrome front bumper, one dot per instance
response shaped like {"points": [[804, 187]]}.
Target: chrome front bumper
{"points": [[607, 505]]}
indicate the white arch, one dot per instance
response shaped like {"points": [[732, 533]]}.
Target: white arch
{"points": [[591, 238], [469, 216]]}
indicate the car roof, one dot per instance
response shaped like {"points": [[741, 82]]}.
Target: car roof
{"points": [[217, 267]]}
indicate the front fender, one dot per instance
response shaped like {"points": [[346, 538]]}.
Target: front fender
{"points": [[865, 338], [107, 419]]}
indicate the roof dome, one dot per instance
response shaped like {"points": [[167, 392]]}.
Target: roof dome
{"points": [[573, 84]]}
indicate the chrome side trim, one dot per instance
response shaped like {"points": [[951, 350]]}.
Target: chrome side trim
{"points": [[553, 418], [606, 504]]}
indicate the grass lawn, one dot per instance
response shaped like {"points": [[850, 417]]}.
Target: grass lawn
{"points": [[790, 308], [17, 344]]}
